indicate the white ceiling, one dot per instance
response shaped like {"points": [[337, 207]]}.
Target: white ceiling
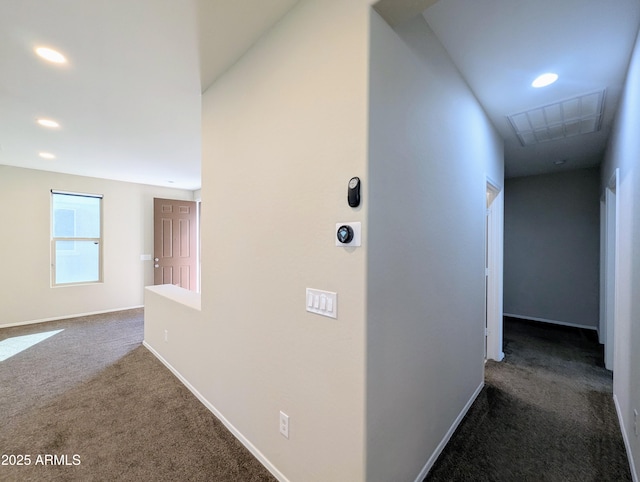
{"points": [[500, 46], [129, 100]]}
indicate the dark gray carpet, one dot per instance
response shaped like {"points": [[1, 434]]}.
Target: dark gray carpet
{"points": [[546, 413], [93, 391]]}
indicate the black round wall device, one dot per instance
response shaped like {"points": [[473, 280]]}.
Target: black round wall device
{"points": [[353, 192], [345, 234]]}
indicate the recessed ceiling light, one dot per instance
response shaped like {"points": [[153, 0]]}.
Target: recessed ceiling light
{"points": [[51, 55], [544, 80], [48, 123], [46, 155]]}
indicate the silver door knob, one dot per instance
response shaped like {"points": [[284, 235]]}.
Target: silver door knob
{"points": [[156, 259], [156, 265]]}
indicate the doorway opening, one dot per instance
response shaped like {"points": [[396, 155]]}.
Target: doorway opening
{"points": [[610, 264], [494, 242]]}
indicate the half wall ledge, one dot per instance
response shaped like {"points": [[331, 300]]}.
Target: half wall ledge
{"points": [[177, 294], [171, 319]]}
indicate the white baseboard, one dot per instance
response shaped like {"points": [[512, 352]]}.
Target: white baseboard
{"points": [[236, 433], [498, 359], [555, 322], [625, 437], [68, 317], [432, 460]]}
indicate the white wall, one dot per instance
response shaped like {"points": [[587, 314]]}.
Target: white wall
{"points": [[431, 149], [624, 153], [27, 294], [552, 247], [325, 96], [283, 131]]}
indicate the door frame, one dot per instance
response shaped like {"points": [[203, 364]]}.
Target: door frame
{"points": [[494, 239], [611, 269], [602, 325]]}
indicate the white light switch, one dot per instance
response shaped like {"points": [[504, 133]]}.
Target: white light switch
{"points": [[324, 303]]}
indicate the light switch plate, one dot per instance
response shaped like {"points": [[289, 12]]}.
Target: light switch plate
{"points": [[323, 303]]}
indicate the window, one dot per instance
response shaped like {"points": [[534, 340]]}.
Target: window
{"points": [[76, 238]]}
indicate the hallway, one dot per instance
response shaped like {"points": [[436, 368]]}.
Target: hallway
{"points": [[545, 413]]}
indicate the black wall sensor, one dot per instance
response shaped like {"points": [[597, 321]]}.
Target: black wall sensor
{"points": [[345, 234], [353, 193]]}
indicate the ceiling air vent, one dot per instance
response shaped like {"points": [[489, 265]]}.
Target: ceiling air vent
{"points": [[572, 117]]}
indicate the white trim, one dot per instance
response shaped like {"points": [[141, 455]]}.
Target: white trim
{"points": [[627, 444], [611, 267], [602, 324], [68, 317], [494, 278], [496, 186], [236, 433], [79, 194], [555, 322], [432, 460]]}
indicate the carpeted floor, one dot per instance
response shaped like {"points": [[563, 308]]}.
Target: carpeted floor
{"points": [[546, 413], [99, 402], [107, 409]]}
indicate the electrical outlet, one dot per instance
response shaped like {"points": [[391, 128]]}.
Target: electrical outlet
{"points": [[635, 422], [166, 335], [284, 424]]}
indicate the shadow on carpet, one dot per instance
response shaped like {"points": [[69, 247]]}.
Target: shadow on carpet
{"points": [[546, 413]]}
